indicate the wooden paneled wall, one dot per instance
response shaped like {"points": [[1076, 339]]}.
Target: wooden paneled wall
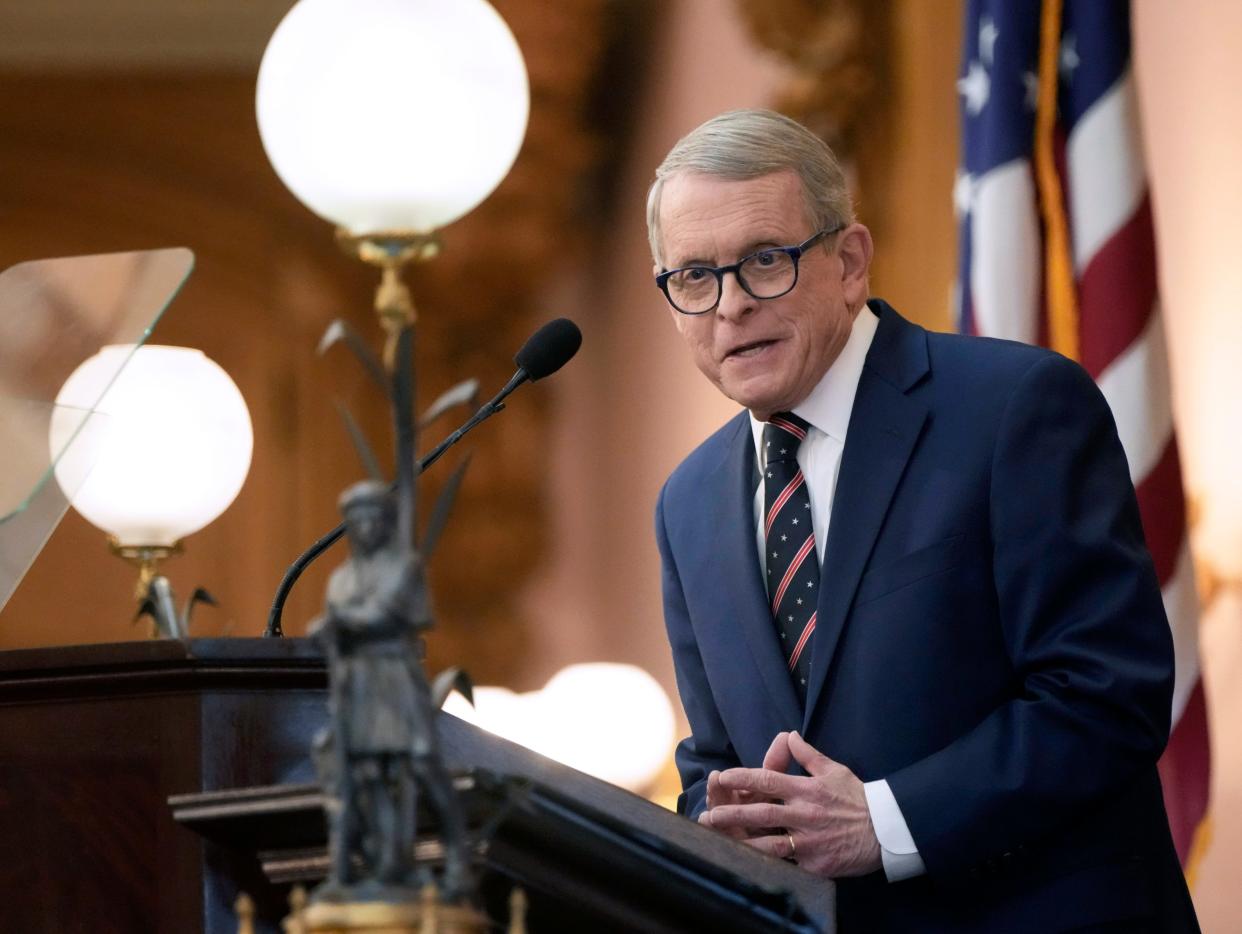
{"points": [[96, 164], [101, 162]]}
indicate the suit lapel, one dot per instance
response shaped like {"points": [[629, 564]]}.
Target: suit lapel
{"points": [[742, 597], [884, 427]]}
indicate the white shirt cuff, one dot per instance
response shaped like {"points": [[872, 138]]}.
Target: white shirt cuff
{"points": [[897, 850]]}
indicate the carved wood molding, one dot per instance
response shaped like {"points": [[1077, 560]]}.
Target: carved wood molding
{"points": [[838, 50]]}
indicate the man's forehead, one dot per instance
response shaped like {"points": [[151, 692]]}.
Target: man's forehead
{"points": [[702, 214]]}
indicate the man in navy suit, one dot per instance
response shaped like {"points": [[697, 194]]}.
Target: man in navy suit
{"points": [[954, 699]]}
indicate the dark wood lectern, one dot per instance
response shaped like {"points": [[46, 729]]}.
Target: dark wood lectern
{"points": [[96, 740]]}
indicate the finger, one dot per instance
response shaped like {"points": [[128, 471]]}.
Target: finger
{"points": [[717, 794], [810, 758], [713, 796], [707, 820], [777, 845], [749, 816], [761, 817], [777, 758], [763, 782]]}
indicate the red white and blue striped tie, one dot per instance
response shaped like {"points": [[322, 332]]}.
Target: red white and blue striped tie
{"points": [[792, 565]]}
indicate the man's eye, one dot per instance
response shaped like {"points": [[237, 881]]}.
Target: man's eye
{"points": [[767, 258], [695, 274]]}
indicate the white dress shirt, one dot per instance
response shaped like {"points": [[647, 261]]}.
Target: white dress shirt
{"points": [[827, 410]]}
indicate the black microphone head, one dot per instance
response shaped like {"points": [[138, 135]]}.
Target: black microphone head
{"points": [[549, 348]]}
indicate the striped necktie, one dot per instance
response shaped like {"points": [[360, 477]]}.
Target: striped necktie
{"points": [[792, 565]]}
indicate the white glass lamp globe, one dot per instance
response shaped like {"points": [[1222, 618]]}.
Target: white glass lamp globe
{"points": [[392, 115], [611, 720], [168, 452]]}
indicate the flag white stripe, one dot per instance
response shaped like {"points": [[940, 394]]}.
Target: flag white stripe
{"points": [[1181, 603], [1136, 385], [1107, 177], [1005, 258]]}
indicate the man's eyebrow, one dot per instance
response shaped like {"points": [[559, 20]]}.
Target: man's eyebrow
{"points": [[765, 244], [695, 261], [754, 246]]}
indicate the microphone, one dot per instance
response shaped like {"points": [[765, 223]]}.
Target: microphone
{"points": [[548, 349], [545, 352]]}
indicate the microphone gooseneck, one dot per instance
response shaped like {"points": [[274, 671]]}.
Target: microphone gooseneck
{"points": [[545, 352]]}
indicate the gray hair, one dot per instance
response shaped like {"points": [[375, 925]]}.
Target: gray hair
{"points": [[743, 144]]}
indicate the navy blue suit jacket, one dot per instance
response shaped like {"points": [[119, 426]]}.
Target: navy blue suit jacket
{"points": [[990, 639]]}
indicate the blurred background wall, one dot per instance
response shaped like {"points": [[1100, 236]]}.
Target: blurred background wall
{"points": [[131, 125]]}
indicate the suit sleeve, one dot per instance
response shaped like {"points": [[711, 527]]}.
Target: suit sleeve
{"points": [[1084, 626], [707, 748]]}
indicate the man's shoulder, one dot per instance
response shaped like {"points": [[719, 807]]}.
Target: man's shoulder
{"points": [[710, 455], [904, 353], [984, 358], [967, 358], [970, 379], [993, 372]]}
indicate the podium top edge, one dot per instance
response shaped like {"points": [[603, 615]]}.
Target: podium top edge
{"points": [[253, 649], [157, 665]]}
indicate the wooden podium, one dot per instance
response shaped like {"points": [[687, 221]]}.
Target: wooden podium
{"points": [[142, 785]]}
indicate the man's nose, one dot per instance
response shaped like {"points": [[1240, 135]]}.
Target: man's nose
{"points": [[735, 301]]}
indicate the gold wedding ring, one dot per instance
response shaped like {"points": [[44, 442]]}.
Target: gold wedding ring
{"points": [[793, 850]]}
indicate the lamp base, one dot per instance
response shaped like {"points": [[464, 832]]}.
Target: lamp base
{"points": [[428, 914], [146, 558]]}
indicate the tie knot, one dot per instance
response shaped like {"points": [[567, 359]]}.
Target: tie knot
{"points": [[782, 434]]}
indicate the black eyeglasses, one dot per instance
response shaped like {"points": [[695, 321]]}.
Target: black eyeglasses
{"points": [[771, 273]]}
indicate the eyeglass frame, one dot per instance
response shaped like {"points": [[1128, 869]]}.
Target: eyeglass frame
{"points": [[793, 252]]}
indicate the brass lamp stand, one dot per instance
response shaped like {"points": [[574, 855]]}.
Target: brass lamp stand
{"points": [[391, 252], [428, 917]]}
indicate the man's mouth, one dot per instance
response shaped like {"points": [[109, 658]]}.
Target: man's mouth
{"points": [[752, 349]]}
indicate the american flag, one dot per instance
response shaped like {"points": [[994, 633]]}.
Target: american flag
{"points": [[1057, 248]]}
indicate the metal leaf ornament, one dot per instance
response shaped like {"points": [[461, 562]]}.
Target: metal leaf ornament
{"points": [[464, 393], [158, 604], [444, 505], [200, 595], [358, 439], [449, 680], [341, 331]]}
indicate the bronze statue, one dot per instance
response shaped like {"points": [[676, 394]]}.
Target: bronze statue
{"points": [[379, 751]]}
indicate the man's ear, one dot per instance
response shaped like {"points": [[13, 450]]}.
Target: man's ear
{"points": [[855, 248]]}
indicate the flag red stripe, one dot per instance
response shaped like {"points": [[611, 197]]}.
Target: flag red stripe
{"points": [[1117, 292], [1185, 768], [1163, 509]]}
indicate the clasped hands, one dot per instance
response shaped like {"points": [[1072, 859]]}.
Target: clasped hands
{"points": [[820, 820]]}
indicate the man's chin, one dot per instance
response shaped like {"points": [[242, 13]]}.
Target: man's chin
{"points": [[761, 404], [757, 391]]}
